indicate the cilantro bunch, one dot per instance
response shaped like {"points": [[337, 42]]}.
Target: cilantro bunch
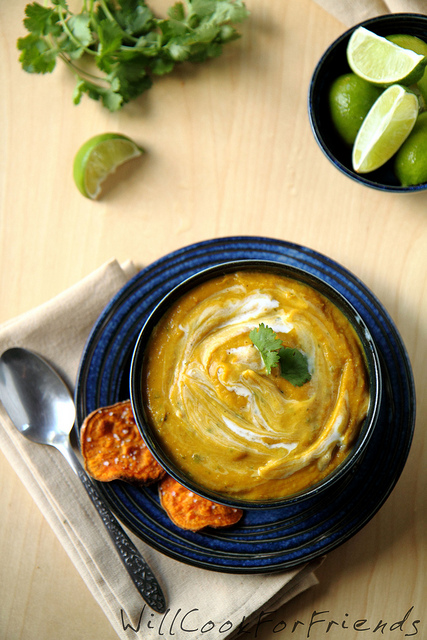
{"points": [[116, 48], [293, 364]]}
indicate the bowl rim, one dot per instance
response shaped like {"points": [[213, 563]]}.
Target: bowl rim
{"points": [[348, 465], [358, 178]]}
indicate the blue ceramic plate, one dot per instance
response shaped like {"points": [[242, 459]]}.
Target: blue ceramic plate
{"points": [[271, 539]]}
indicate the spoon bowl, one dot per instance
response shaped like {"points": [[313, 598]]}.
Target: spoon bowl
{"points": [[41, 407], [47, 416]]}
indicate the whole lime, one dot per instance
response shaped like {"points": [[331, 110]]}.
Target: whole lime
{"points": [[417, 45], [411, 160], [350, 99]]}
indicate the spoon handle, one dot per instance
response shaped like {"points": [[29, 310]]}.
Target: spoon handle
{"points": [[138, 569]]}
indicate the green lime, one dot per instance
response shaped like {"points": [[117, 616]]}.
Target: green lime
{"points": [[350, 99], [385, 128], [98, 157], [419, 46], [411, 159], [382, 62]]}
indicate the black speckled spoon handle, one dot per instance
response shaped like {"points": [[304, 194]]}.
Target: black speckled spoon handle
{"points": [[138, 569]]}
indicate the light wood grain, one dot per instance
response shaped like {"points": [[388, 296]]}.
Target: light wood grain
{"points": [[229, 152]]}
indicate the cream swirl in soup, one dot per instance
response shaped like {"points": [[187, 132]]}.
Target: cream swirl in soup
{"points": [[228, 424]]}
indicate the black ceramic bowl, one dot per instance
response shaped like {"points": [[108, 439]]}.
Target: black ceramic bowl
{"points": [[332, 64], [345, 470]]}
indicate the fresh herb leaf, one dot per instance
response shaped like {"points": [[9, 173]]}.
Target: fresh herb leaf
{"points": [[177, 12], [268, 344], [294, 366], [161, 67], [80, 28], [41, 21], [293, 363], [134, 17], [127, 45], [37, 56], [110, 40]]}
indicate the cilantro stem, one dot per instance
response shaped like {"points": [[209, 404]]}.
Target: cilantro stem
{"points": [[107, 11], [81, 73], [71, 35]]}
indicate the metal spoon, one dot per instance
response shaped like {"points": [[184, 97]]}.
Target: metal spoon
{"points": [[42, 408]]}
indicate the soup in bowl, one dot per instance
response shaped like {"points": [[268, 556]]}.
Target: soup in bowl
{"points": [[255, 383]]}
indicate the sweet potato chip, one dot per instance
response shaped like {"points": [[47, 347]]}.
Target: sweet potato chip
{"points": [[113, 448], [189, 511]]}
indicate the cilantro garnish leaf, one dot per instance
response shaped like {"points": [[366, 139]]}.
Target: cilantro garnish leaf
{"points": [[294, 366], [126, 43], [293, 363], [268, 344]]}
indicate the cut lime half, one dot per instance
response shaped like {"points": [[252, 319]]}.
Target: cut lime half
{"points": [[100, 156], [382, 62], [387, 125]]}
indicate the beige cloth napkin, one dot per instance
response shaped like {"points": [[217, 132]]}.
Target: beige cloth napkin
{"points": [[351, 12], [58, 330]]}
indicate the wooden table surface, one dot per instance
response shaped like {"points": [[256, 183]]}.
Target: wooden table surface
{"points": [[229, 152]]}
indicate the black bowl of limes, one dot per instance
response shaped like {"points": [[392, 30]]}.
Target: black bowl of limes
{"points": [[367, 103]]}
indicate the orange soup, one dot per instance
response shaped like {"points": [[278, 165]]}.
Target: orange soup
{"points": [[226, 422]]}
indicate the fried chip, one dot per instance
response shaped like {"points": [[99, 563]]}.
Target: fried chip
{"points": [[190, 511], [113, 448]]}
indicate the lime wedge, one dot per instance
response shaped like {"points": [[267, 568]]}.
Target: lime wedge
{"points": [[100, 156], [387, 125], [382, 62]]}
